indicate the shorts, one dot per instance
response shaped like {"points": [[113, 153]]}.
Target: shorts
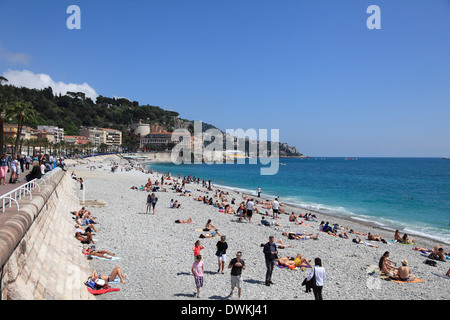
{"points": [[236, 281], [249, 213], [275, 210], [198, 281], [223, 257]]}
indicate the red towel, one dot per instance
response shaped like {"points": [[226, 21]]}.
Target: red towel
{"points": [[102, 291]]}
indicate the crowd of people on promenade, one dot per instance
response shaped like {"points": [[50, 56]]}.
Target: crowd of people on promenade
{"points": [[19, 166]]}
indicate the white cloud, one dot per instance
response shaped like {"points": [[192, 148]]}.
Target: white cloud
{"points": [[31, 80]]}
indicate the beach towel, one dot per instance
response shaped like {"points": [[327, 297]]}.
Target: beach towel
{"points": [[117, 280], [416, 280], [102, 291], [101, 258]]}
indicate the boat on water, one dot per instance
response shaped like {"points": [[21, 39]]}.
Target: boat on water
{"points": [[446, 158]]}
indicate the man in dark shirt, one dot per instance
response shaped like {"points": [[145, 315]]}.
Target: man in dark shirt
{"points": [[236, 265], [270, 254]]}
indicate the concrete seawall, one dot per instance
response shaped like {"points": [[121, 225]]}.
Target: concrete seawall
{"points": [[39, 255]]}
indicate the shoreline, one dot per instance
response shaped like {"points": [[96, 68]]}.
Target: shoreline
{"points": [[330, 216]]}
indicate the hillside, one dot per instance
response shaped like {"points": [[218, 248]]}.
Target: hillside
{"points": [[74, 110]]}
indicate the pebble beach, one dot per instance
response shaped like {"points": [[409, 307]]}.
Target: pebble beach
{"points": [[155, 253]]}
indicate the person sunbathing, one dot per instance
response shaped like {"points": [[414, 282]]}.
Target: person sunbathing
{"points": [[387, 266], [404, 272], [295, 236], [340, 235], [102, 253], [422, 249], [437, 254], [407, 240], [292, 217], [209, 226], [84, 239], [375, 237], [296, 262], [301, 223], [185, 221], [359, 241], [355, 232], [210, 235], [116, 272], [267, 223], [229, 209]]}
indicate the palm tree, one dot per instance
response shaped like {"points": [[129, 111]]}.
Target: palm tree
{"points": [[5, 113], [23, 111], [9, 141], [45, 144], [27, 144], [57, 147], [51, 144]]}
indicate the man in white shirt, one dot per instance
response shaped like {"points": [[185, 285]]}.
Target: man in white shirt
{"points": [[249, 210], [275, 208], [319, 272]]}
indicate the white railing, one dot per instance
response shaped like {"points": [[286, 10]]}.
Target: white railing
{"points": [[23, 190]]}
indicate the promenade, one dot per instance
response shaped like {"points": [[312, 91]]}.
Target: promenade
{"points": [[8, 188]]}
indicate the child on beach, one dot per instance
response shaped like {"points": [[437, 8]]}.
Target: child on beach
{"points": [[197, 270], [197, 248]]}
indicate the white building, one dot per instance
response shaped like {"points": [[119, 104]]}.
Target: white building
{"points": [[58, 133]]}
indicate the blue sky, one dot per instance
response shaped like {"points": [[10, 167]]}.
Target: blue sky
{"points": [[309, 68]]}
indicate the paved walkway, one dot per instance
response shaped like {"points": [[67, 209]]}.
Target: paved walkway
{"points": [[5, 189]]}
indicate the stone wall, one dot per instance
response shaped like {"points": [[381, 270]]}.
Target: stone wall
{"points": [[39, 255]]}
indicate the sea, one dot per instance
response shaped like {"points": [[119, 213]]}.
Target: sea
{"points": [[408, 194]]}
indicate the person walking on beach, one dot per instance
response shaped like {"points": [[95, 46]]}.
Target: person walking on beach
{"points": [[275, 208], [259, 192], [154, 199], [221, 252], [197, 270], [236, 265], [318, 272], [249, 212], [149, 204], [270, 254]]}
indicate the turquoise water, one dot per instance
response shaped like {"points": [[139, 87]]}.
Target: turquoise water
{"points": [[409, 194]]}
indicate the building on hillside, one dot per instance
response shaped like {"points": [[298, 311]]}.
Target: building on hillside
{"points": [[96, 136], [161, 140], [113, 138], [77, 140], [110, 137], [55, 134]]}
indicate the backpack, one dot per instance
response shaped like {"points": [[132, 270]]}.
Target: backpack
{"points": [[430, 262]]}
